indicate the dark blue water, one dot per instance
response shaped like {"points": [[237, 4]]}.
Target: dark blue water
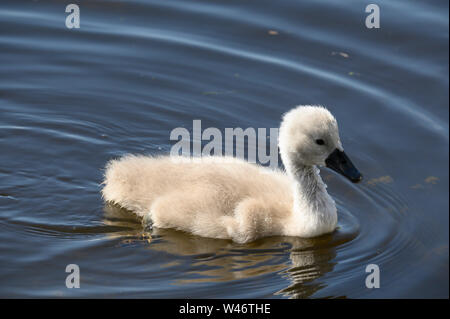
{"points": [[70, 100]]}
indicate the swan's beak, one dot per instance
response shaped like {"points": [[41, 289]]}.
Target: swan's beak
{"points": [[339, 162]]}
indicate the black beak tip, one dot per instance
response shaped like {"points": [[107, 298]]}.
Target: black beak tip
{"points": [[357, 178], [340, 163]]}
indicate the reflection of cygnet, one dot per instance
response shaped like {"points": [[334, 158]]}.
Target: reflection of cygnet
{"points": [[233, 199], [307, 266], [300, 260]]}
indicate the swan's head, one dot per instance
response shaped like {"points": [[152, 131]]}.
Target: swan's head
{"points": [[309, 136]]}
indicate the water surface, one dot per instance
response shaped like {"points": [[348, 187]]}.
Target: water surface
{"points": [[70, 100]]}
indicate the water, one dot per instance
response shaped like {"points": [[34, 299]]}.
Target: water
{"points": [[70, 100]]}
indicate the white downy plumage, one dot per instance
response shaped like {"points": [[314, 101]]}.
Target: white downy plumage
{"points": [[231, 198]]}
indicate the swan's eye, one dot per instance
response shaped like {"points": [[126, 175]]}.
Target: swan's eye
{"points": [[320, 141]]}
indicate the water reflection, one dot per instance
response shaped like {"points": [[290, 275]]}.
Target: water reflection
{"points": [[301, 261]]}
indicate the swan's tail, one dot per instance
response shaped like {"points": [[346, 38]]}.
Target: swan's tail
{"points": [[121, 181]]}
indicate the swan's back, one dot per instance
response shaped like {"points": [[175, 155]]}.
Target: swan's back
{"points": [[192, 194]]}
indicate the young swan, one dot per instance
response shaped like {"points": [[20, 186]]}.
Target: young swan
{"points": [[225, 197]]}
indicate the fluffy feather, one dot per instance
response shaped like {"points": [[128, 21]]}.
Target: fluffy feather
{"points": [[229, 198]]}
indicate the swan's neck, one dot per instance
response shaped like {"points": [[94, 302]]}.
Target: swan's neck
{"points": [[314, 210], [309, 188]]}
